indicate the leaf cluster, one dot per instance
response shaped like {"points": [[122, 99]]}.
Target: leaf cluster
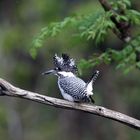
{"points": [[127, 59], [95, 26], [92, 26]]}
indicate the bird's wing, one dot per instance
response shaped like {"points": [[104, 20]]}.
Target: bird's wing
{"points": [[74, 87]]}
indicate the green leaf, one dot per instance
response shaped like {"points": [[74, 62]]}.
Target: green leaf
{"points": [[127, 2], [98, 28], [138, 48], [134, 16], [33, 52], [128, 69], [138, 64], [116, 55], [120, 65]]}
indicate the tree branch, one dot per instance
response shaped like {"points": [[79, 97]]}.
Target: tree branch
{"points": [[9, 90], [122, 27]]}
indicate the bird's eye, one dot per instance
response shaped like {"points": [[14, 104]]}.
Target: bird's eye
{"points": [[57, 68]]}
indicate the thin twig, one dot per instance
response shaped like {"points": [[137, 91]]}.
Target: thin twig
{"points": [[9, 90]]}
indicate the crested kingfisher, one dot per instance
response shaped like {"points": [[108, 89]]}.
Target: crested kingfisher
{"points": [[72, 87]]}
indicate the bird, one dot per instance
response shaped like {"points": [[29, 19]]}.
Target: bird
{"points": [[72, 87]]}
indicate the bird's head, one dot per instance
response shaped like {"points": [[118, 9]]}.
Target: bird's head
{"points": [[63, 66]]}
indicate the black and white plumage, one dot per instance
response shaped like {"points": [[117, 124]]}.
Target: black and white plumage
{"points": [[65, 63], [72, 88]]}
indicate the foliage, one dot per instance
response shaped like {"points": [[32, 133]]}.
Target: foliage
{"points": [[92, 26], [126, 58], [95, 26], [50, 31], [134, 16]]}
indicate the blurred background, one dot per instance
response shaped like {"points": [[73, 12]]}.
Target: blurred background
{"points": [[20, 21]]}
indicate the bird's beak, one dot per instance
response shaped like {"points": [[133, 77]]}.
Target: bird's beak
{"points": [[49, 72]]}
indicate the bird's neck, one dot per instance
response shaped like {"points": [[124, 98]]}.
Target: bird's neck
{"points": [[66, 74]]}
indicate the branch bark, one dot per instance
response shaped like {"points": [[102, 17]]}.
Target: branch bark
{"points": [[6, 89], [122, 29]]}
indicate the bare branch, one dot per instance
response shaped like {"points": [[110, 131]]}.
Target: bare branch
{"points": [[9, 90]]}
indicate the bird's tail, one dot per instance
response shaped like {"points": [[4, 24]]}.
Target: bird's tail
{"points": [[94, 76], [89, 85]]}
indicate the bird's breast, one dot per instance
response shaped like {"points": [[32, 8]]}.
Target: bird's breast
{"points": [[65, 95]]}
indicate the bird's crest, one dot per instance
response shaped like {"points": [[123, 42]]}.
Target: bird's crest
{"points": [[65, 63]]}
